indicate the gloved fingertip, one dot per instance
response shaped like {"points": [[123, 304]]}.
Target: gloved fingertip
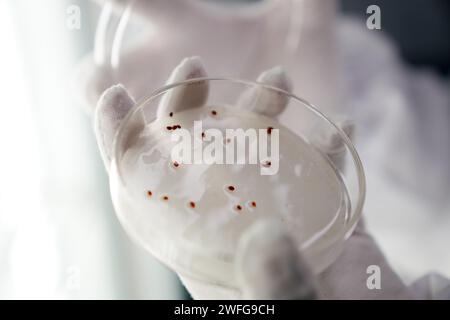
{"points": [[332, 143], [264, 100], [115, 99], [276, 77], [191, 67], [269, 265], [113, 105], [185, 96], [348, 126]]}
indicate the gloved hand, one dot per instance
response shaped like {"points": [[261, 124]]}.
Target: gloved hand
{"points": [[269, 265]]}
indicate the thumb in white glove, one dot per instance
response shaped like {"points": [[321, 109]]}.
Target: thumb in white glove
{"points": [[269, 265]]}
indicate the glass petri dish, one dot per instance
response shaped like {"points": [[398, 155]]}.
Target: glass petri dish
{"points": [[325, 187]]}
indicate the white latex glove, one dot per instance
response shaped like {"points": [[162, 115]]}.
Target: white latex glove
{"points": [[278, 273]]}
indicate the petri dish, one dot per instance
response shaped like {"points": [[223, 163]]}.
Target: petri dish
{"points": [[191, 216]]}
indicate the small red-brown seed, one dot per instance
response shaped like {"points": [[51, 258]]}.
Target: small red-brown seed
{"points": [[238, 207], [165, 198], [267, 164], [169, 128], [176, 164], [269, 130], [171, 114], [149, 193], [203, 135], [253, 204], [192, 204], [214, 112], [231, 188]]}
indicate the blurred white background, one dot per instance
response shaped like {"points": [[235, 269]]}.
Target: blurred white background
{"points": [[59, 237]]}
